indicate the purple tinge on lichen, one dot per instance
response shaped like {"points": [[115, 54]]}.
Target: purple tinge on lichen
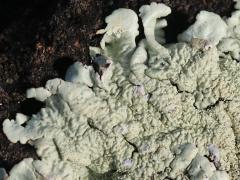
{"points": [[214, 154]]}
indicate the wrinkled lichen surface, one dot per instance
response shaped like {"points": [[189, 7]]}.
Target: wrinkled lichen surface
{"points": [[151, 110]]}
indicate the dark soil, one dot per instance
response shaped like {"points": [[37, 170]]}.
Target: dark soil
{"points": [[39, 39]]}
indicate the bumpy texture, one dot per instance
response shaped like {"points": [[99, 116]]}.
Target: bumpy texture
{"points": [[140, 112]]}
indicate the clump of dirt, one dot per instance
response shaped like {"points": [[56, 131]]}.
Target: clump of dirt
{"points": [[40, 39]]}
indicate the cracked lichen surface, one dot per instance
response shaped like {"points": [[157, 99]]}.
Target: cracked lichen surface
{"points": [[146, 111]]}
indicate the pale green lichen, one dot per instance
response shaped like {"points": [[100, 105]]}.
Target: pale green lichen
{"points": [[231, 43], [208, 26], [146, 112], [237, 5]]}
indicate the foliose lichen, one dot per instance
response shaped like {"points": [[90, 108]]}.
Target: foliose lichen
{"points": [[146, 111]]}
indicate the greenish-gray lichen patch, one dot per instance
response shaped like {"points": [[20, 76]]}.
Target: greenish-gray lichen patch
{"points": [[147, 110]]}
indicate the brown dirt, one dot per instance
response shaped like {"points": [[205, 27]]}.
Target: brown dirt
{"points": [[40, 39]]}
